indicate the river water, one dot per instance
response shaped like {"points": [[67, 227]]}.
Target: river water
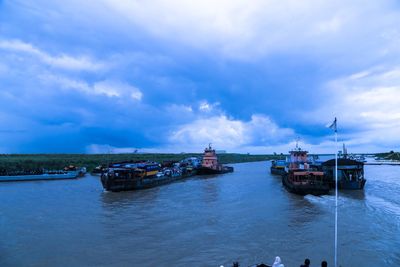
{"points": [[245, 216]]}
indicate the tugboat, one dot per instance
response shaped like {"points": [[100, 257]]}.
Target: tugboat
{"points": [[278, 167], [126, 176], [301, 179], [350, 172], [210, 165]]}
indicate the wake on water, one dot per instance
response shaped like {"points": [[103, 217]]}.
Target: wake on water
{"points": [[324, 200], [380, 204]]}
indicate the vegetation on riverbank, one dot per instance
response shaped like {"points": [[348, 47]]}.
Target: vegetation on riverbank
{"points": [[18, 162], [389, 156]]}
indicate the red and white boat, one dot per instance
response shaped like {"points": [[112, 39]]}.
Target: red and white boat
{"points": [[301, 179], [210, 164]]}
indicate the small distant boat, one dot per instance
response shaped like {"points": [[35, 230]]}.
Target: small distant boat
{"points": [[278, 167], [210, 164], [99, 169], [360, 158], [135, 176], [69, 172], [301, 179]]}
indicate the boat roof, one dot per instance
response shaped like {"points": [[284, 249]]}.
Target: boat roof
{"points": [[342, 162], [304, 173], [298, 151]]}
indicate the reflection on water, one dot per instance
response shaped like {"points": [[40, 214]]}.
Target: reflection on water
{"points": [[202, 221], [126, 198], [209, 188]]}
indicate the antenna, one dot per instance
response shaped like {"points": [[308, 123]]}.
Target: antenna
{"points": [[297, 143]]}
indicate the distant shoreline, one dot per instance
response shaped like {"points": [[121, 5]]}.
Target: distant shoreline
{"points": [[10, 162]]}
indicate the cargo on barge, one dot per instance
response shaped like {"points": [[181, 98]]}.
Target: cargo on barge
{"points": [[278, 167], [126, 176]]}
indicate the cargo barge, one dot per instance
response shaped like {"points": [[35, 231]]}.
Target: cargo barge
{"points": [[68, 173], [135, 176], [350, 173]]}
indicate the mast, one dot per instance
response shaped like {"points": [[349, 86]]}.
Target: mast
{"points": [[333, 126], [336, 194]]}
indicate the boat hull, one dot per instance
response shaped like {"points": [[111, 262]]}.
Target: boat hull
{"points": [[351, 185], [117, 184], [277, 171], [350, 173], [39, 177], [310, 188], [209, 171]]}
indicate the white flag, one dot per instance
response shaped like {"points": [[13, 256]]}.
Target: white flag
{"points": [[333, 126]]}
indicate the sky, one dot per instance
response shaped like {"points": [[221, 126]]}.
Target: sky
{"points": [[111, 76]]}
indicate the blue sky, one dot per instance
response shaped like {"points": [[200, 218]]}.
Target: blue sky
{"points": [[173, 76]]}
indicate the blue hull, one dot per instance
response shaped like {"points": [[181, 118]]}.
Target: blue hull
{"points": [[39, 177], [352, 185], [277, 171]]}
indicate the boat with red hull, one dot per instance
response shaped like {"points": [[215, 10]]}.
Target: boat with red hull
{"points": [[301, 179], [304, 182], [210, 164]]}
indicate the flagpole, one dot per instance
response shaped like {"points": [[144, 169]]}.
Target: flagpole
{"points": [[336, 194]]}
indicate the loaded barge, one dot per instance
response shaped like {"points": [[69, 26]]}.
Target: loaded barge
{"points": [[126, 176], [350, 173]]}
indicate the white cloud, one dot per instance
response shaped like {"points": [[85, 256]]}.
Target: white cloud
{"points": [[331, 25], [367, 105], [179, 109], [107, 88], [227, 133], [247, 30], [136, 94], [67, 83], [261, 129], [81, 63], [204, 106], [118, 89], [359, 32], [220, 131], [103, 88], [107, 149], [369, 97]]}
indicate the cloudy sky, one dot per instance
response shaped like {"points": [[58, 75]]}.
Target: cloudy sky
{"points": [[175, 75]]}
